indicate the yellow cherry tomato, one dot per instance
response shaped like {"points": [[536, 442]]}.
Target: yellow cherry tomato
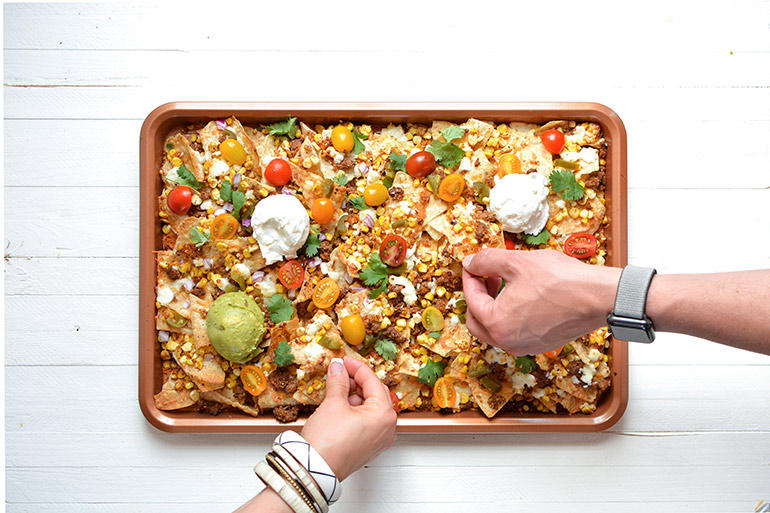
{"points": [[325, 293], [342, 139], [509, 164], [353, 329], [451, 187], [375, 194], [233, 151], [432, 319], [322, 210]]}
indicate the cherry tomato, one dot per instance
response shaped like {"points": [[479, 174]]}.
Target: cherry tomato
{"points": [[395, 400], [233, 151], [322, 210], [278, 172], [553, 140], [179, 200], [509, 244], [444, 392], [393, 250], [421, 164], [508, 164], [432, 319], [253, 379], [553, 354], [580, 245], [375, 194], [225, 226], [353, 329], [451, 187], [291, 274], [325, 293], [342, 139]]}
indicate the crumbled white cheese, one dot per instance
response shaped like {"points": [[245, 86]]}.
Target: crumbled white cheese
{"points": [[267, 285], [370, 307], [172, 175], [165, 295], [578, 136], [519, 381], [594, 354], [588, 372], [409, 292], [538, 393], [405, 206], [221, 282], [205, 205], [465, 165], [218, 168], [395, 132], [586, 158]]}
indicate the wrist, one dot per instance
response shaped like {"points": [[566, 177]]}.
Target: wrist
{"points": [[605, 287]]}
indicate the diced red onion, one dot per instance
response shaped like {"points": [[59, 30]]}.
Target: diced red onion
{"points": [[220, 211], [236, 179], [163, 336], [207, 263], [221, 124], [362, 168], [186, 304], [246, 222], [189, 284], [257, 276], [369, 221], [292, 293], [356, 289], [348, 278], [314, 262], [229, 207], [322, 237], [286, 190]]}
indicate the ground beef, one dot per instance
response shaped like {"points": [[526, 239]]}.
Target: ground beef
{"points": [[440, 303], [209, 407], [396, 193], [216, 293], [239, 394], [197, 146], [481, 230], [397, 302], [449, 281], [391, 379], [468, 193], [488, 216], [395, 335], [425, 406], [573, 368], [294, 147], [325, 251], [286, 413], [496, 401], [190, 251], [169, 240], [372, 325], [498, 373], [283, 379], [302, 310], [197, 291], [540, 380], [172, 273], [346, 164]]}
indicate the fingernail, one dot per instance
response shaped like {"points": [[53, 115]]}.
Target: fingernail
{"points": [[467, 260], [336, 366]]}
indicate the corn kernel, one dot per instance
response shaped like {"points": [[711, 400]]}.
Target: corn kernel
{"points": [[464, 398], [418, 402], [429, 296], [401, 323], [391, 295], [440, 291], [384, 323], [424, 359]]}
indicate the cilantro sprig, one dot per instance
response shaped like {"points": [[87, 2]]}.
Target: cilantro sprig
{"points": [[287, 128], [187, 178], [540, 238], [357, 202], [312, 245], [341, 179], [386, 348], [236, 197], [198, 237], [447, 154], [282, 355], [430, 372], [564, 182], [452, 132], [280, 308], [358, 146], [397, 162], [375, 273]]}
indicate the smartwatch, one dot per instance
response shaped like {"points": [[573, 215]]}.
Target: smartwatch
{"points": [[628, 320]]}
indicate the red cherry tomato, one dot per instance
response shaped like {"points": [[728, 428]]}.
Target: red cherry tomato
{"points": [[553, 140], [580, 245], [278, 172], [179, 200], [291, 274], [394, 399], [509, 244], [393, 250], [421, 164]]}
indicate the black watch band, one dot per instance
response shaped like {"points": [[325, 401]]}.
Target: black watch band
{"points": [[628, 320]]}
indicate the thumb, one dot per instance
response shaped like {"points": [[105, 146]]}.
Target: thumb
{"points": [[490, 262], [337, 381]]}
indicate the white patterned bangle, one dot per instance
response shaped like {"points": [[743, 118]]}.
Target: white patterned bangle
{"points": [[309, 458], [274, 480], [303, 475]]}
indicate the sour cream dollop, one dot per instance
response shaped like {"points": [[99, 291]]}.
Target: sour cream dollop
{"points": [[520, 202], [281, 225]]}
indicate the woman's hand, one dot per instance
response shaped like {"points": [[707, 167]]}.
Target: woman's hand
{"points": [[548, 300], [350, 430]]}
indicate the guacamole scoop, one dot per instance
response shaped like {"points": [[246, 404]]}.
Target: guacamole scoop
{"points": [[236, 326]]}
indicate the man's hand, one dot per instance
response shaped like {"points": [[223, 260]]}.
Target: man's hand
{"points": [[548, 299]]}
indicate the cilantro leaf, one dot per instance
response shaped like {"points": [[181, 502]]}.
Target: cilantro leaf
{"points": [[386, 348], [430, 372], [169, 146], [282, 355], [447, 154], [357, 202], [375, 270], [358, 146], [198, 237], [453, 132], [280, 308], [375, 293], [312, 245], [226, 191], [564, 182], [540, 238], [341, 179], [187, 178], [526, 364], [239, 199], [287, 128], [397, 162], [434, 334]]}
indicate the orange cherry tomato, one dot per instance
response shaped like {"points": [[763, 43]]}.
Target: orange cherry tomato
{"points": [[508, 164], [553, 140], [395, 400], [179, 200], [253, 379], [225, 226], [291, 274], [444, 393], [278, 172], [325, 294], [375, 194], [554, 354], [322, 210], [451, 187], [342, 139], [233, 151], [353, 329]]}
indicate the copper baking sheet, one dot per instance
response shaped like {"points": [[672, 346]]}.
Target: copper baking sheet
{"points": [[166, 117]]}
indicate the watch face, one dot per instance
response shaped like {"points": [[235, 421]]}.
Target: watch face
{"points": [[632, 330]]}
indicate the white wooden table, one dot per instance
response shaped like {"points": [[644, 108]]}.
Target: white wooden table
{"points": [[691, 82]]}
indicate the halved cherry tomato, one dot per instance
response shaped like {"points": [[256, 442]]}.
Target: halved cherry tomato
{"points": [[233, 151], [553, 140], [444, 392], [253, 379], [509, 244], [342, 139], [554, 354], [179, 200], [432, 319], [580, 245], [508, 164], [278, 172], [451, 187], [322, 210], [421, 164], [395, 400], [393, 250], [325, 293], [375, 194], [225, 226], [291, 274], [353, 329]]}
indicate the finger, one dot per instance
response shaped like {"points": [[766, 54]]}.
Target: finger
{"points": [[367, 380], [337, 381], [477, 297], [490, 262], [476, 328], [493, 285], [355, 400]]}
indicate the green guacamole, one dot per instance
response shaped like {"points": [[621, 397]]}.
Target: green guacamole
{"points": [[236, 326]]}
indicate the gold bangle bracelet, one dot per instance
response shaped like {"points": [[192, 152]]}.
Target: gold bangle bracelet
{"points": [[291, 480]]}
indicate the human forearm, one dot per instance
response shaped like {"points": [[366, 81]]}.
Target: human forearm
{"points": [[267, 501]]}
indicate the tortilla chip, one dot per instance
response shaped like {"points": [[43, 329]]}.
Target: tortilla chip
{"points": [[569, 225], [477, 133], [185, 153], [210, 377], [489, 402], [408, 390], [453, 338], [587, 394], [169, 399], [199, 309], [227, 396]]}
